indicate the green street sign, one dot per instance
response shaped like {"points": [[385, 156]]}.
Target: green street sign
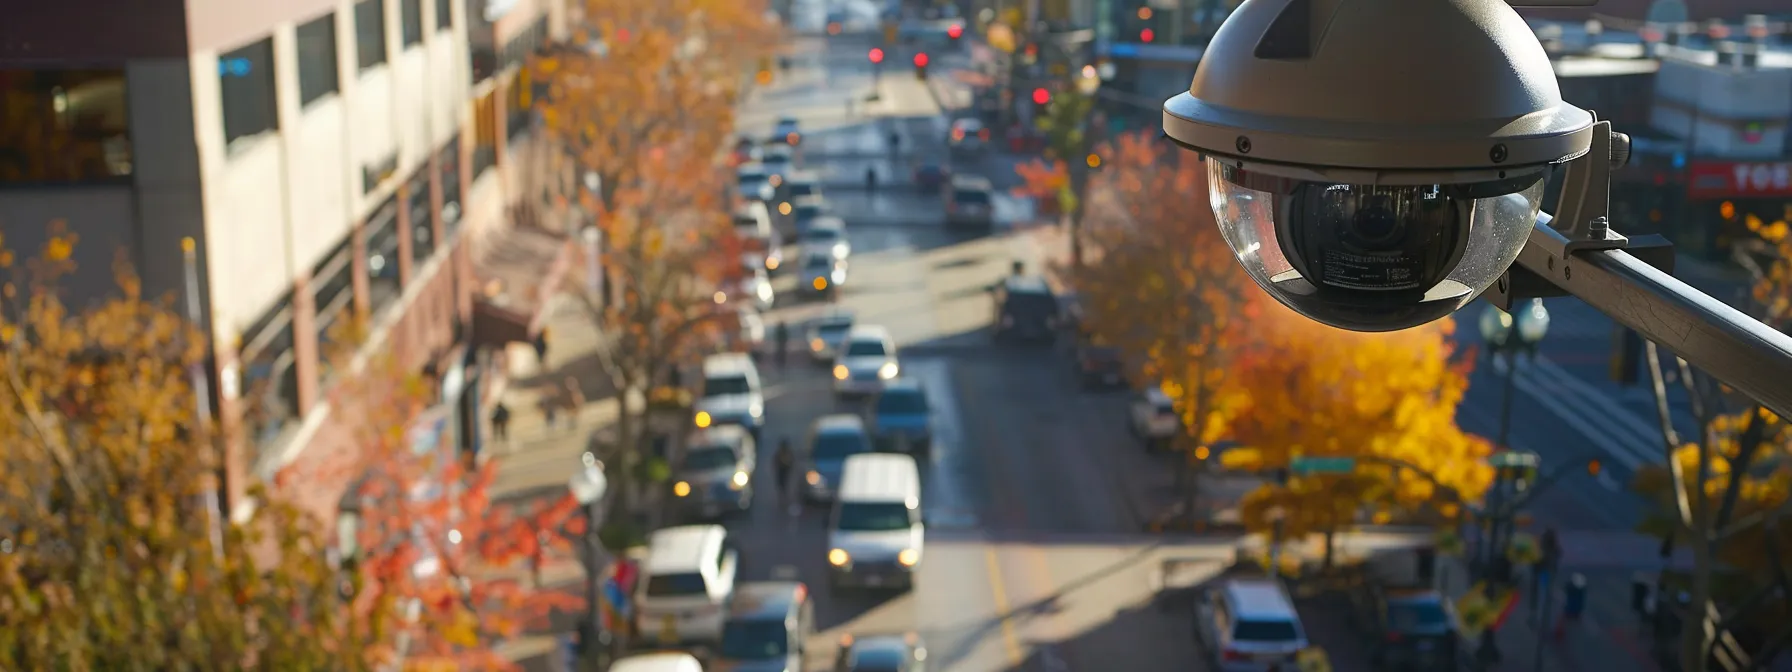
{"points": [[1322, 465], [1513, 458]]}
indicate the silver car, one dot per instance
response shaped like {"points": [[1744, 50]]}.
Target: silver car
{"points": [[715, 473], [826, 334]]}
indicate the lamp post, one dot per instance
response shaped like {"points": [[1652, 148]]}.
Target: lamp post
{"points": [[1277, 519], [1511, 335], [588, 486], [1087, 82]]}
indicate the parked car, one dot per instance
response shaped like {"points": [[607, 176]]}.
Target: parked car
{"points": [[1153, 419], [1407, 628]]}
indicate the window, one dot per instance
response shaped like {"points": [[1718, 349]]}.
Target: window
{"points": [[1264, 631], [873, 517], [444, 14], [423, 228], [675, 585], [269, 374], [866, 349], [316, 48], [63, 126], [382, 257], [755, 639], [839, 446], [333, 295], [410, 21], [902, 402], [517, 111], [705, 458], [450, 163], [370, 33], [485, 132], [726, 386], [246, 88]]}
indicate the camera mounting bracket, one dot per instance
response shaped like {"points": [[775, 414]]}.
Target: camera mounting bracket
{"points": [[1583, 213]]}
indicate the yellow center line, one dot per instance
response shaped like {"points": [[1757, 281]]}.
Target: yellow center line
{"points": [[999, 595]]}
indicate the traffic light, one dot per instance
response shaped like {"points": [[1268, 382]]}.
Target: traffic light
{"points": [[1041, 96], [1147, 35], [955, 31], [1592, 467], [876, 55], [921, 65]]}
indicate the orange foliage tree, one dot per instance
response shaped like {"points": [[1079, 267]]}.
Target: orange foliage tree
{"points": [[433, 572], [113, 554], [1317, 391], [1160, 284]]}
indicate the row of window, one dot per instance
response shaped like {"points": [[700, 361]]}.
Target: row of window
{"points": [[246, 74], [267, 351], [63, 126]]}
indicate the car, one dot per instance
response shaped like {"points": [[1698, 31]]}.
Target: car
{"points": [[658, 661], [786, 132], [970, 202], [750, 337], [762, 245], [876, 538], [832, 439], [753, 182], [1099, 366], [688, 583], [931, 175], [825, 334], [746, 151], [768, 628], [1408, 628], [779, 161], [826, 236], [901, 418], [1152, 417], [867, 360], [968, 136], [798, 184], [732, 394], [715, 473], [881, 653], [1026, 309], [821, 275], [805, 210], [1249, 625], [754, 286]]}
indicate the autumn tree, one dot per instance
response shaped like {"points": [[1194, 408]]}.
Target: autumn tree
{"points": [[1723, 491], [1386, 399], [111, 555], [1161, 285]]}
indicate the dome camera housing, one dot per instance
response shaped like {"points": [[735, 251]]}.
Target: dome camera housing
{"points": [[1376, 165]]}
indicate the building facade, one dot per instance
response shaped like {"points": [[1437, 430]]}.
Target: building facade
{"points": [[336, 162]]}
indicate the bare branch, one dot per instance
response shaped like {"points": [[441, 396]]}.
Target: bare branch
{"points": [[1747, 446], [1682, 507]]}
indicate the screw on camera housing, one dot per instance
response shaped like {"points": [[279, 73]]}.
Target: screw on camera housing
{"points": [[1498, 153], [1243, 145]]}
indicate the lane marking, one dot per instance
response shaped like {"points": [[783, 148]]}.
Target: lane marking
{"points": [[999, 595], [1606, 481]]}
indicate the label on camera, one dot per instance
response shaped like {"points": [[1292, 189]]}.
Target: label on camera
{"points": [[1375, 272]]}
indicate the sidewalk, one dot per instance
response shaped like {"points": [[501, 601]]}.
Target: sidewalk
{"points": [[1609, 636]]}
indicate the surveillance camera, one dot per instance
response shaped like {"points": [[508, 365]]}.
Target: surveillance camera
{"points": [[1376, 165]]}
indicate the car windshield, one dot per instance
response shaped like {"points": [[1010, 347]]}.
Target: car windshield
{"points": [[807, 212], [705, 458], [775, 157], [754, 179], [873, 517], [839, 445], [1027, 302], [675, 585], [1416, 616], [721, 386], [902, 401], [832, 331], [866, 349], [801, 189], [820, 264], [971, 196], [755, 639], [822, 235], [1264, 631]]}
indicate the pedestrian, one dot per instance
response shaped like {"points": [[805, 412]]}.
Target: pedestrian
{"points": [[871, 178], [541, 347], [575, 400], [784, 463], [781, 341], [550, 407], [1574, 603], [1550, 556], [501, 422]]}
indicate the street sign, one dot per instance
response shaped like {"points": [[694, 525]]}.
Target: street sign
{"points": [[1322, 465], [1513, 458]]}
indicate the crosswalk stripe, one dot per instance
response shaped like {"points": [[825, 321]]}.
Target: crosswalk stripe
{"points": [[1615, 430]]}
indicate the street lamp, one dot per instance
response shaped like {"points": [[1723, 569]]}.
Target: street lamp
{"points": [[348, 548], [588, 486], [1510, 335]]}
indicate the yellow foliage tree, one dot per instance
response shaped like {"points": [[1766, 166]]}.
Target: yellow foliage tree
{"points": [[1389, 398], [1160, 284], [111, 557]]}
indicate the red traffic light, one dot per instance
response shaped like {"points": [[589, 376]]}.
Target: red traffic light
{"points": [[955, 31], [921, 60], [1147, 35], [877, 55], [1042, 96]]}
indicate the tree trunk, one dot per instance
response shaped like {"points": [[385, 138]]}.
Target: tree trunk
{"points": [[1331, 535]]}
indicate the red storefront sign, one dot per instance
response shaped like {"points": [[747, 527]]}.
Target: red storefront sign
{"points": [[1739, 179]]}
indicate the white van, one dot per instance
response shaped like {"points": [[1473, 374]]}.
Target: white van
{"points": [[687, 585], [876, 531], [665, 661]]}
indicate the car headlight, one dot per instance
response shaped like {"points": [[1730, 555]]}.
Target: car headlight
{"points": [[838, 557], [819, 283], [739, 481], [840, 372], [838, 276], [765, 292], [681, 489], [817, 345], [840, 251], [813, 477], [888, 370], [908, 557], [721, 297], [756, 410], [703, 419], [771, 263]]}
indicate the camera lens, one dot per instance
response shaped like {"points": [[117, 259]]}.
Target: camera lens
{"points": [[1375, 238]]}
